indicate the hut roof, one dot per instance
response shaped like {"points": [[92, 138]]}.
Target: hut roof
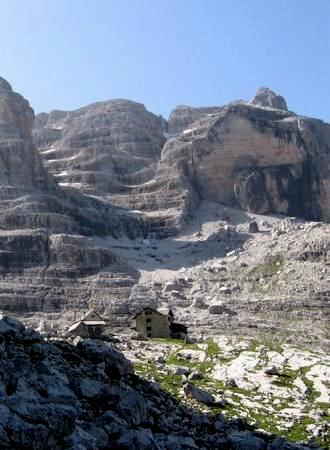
{"points": [[91, 318], [165, 311], [161, 311]]}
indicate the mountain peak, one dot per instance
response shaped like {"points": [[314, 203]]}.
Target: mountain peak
{"points": [[268, 98], [4, 86]]}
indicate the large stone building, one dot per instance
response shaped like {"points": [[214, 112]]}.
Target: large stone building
{"points": [[157, 323]]}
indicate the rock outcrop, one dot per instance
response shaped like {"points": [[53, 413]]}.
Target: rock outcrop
{"points": [[21, 166], [183, 116]]}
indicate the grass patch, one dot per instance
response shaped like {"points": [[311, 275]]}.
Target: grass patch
{"points": [[169, 382], [271, 266], [204, 367], [170, 341], [286, 378], [213, 348], [264, 421], [298, 431]]}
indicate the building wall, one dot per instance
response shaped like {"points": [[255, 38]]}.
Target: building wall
{"points": [[158, 324], [95, 331], [88, 331], [81, 330]]}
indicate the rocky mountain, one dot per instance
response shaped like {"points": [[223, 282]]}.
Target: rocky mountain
{"points": [[109, 169], [115, 207], [43, 252], [258, 156]]}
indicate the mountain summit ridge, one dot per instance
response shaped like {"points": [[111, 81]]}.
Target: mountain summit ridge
{"points": [[287, 154]]}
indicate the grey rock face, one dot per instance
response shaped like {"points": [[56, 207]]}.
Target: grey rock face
{"points": [[30, 196], [266, 97], [111, 149], [265, 160], [42, 252], [106, 147], [183, 116], [21, 166]]}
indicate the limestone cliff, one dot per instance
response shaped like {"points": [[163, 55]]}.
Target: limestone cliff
{"points": [[263, 159], [256, 155], [102, 148], [45, 256]]}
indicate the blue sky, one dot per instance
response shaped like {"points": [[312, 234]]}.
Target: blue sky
{"points": [[63, 54]]}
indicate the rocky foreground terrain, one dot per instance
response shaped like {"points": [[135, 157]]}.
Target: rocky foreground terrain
{"points": [[221, 213], [55, 395], [278, 388]]}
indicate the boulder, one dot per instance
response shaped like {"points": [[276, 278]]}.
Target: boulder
{"points": [[178, 370], [231, 382], [253, 227], [245, 440], [90, 388], [200, 395], [133, 408], [217, 308], [137, 440], [98, 352], [195, 375], [80, 439], [225, 290], [273, 370], [192, 355]]}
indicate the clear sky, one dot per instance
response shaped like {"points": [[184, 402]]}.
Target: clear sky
{"points": [[63, 54]]}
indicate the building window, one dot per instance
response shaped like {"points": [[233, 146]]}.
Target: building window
{"points": [[148, 335], [148, 313], [148, 328], [148, 320]]}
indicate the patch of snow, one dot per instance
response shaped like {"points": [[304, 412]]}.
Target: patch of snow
{"points": [[189, 130], [62, 174], [51, 150]]}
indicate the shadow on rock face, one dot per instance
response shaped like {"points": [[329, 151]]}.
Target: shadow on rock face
{"points": [[54, 395]]}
